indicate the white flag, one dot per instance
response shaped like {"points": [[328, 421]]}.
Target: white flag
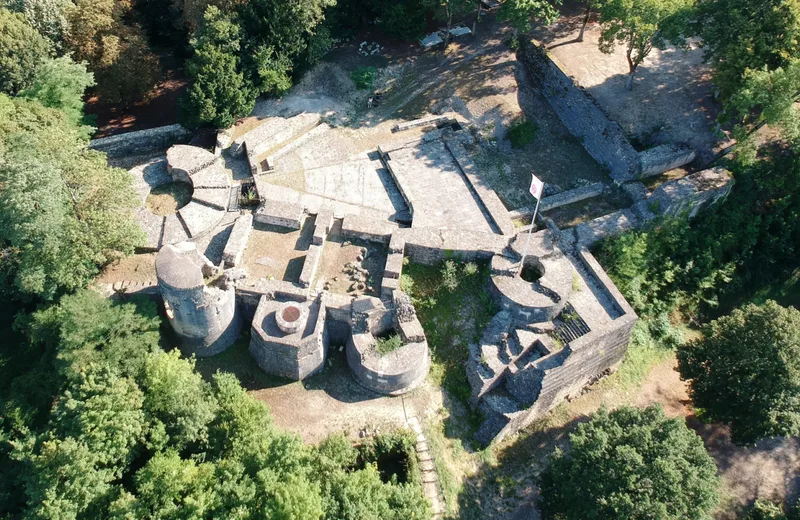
{"points": [[537, 187]]}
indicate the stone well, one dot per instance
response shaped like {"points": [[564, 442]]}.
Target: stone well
{"points": [[534, 291]]}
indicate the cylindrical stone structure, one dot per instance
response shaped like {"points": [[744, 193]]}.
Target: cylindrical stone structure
{"points": [[205, 317]]}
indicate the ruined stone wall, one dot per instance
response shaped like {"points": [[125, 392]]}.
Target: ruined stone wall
{"points": [[430, 247], [602, 138], [141, 141], [588, 358]]}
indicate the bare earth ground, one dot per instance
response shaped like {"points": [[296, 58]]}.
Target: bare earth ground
{"points": [[338, 252], [504, 488], [328, 402], [277, 253], [672, 98]]}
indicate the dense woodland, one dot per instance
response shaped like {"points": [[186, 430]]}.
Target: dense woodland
{"points": [[101, 418]]}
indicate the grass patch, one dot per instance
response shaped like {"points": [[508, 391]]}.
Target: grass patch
{"points": [[388, 344], [522, 132], [364, 77], [454, 308]]}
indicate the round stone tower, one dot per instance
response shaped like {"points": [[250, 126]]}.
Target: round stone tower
{"points": [[202, 310]]}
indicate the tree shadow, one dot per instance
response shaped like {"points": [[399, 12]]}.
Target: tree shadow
{"points": [[508, 487]]}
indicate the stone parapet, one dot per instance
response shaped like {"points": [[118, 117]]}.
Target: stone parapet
{"points": [[140, 141], [602, 137]]}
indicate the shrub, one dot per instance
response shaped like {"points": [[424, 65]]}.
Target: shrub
{"points": [[522, 132], [364, 77], [471, 269], [631, 463], [765, 510], [450, 275], [388, 344]]}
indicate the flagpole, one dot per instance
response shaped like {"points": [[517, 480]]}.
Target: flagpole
{"points": [[530, 232]]}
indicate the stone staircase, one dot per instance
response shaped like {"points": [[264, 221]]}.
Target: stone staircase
{"points": [[430, 479]]}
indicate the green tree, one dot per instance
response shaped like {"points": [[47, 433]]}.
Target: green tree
{"points": [[591, 5], [641, 25], [104, 411], [178, 402], [63, 480], [60, 83], [48, 17], [521, 13], [745, 371], [219, 92], [275, 35], [63, 211], [22, 50], [742, 35], [630, 463]]}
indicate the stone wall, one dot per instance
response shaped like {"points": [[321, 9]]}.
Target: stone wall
{"points": [[140, 141], [660, 159], [205, 318], [602, 138]]}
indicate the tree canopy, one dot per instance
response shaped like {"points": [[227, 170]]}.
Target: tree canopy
{"points": [[641, 25], [22, 50], [131, 431], [65, 211], [631, 463], [745, 371]]}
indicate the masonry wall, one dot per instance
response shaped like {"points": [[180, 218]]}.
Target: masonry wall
{"points": [[141, 141], [589, 357], [601, 137], [206, 320]]}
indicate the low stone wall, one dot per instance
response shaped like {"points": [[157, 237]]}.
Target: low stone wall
{"points": [[660, 159], [571, 196], [365, 228], [237, 241], [602, 138], [430, 247], [141, 141]]}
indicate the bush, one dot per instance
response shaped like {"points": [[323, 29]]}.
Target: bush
{"points": [[745, 371], [450, 275], [765, 510], [364, 77], [388, 344], [522, 132], [631, 463]]}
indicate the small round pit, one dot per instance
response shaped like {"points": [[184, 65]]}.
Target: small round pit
{"points": [[532, 269], [291, 317]]}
